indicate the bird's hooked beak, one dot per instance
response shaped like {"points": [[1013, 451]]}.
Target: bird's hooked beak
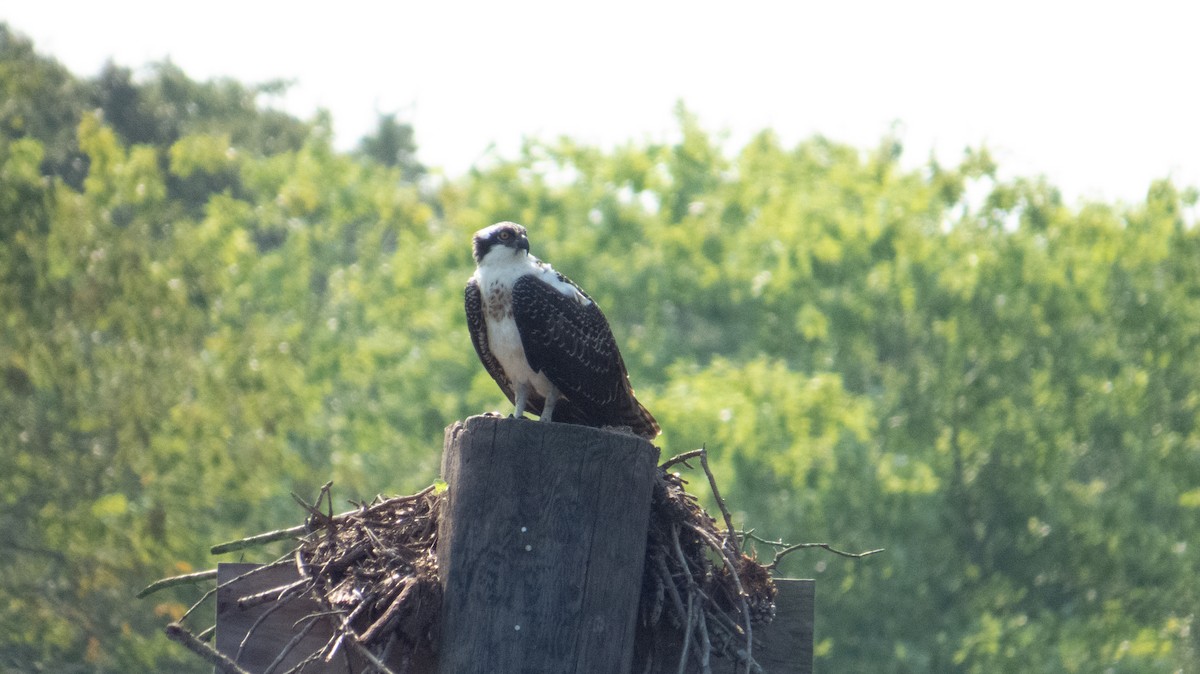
{"points": [[522, 243]]}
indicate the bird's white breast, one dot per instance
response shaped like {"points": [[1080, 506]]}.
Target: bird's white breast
{"points": [[496, 275]]}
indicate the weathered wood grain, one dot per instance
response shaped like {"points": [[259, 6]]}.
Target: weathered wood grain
{"points": [[541, 546], [786, 645]]}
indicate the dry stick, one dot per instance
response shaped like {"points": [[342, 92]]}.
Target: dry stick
{"points": [[366, 653], [273, 594], [317, 517], [779, 555], [231, 580], [681, 458], [177, 580], [660, 593], [669, 581], [323, 614], [177, 632], [195, 606], [288, 648], [687, 631], [706, 649], [281, 534], [257, 622], [318, 593], [214, 590], [728, 631], [260, 539], [389, 615], [362, 606], [299, 666], [730, 536], [799, 546], [342, 625], [691, 622], [327, 497], [331, 647], [737, 581]]}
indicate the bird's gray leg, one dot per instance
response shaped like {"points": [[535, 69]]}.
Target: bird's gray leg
{"points": [[522, 400], [551, 400]]}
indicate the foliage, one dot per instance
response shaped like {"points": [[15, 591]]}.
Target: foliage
{"points": [[393, 144], [205, 307]]}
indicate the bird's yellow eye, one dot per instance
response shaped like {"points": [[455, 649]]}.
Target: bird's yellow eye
{"points": [[505, 235]]}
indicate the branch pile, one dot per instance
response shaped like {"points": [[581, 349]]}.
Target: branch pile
{"points": [[372, 572], [375, 569], [707, 607]]}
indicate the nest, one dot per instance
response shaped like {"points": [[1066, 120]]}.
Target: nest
{"points": [[376, 568], [373, 573], [700, 593]]}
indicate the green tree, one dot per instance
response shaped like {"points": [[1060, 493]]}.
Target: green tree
{"points": [[393, 144]]}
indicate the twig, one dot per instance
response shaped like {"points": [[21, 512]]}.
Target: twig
{"points": [[176, 632], [291, 532], [207, 633], [730, 535], [750, 535], [706, 644], [273, 594], [315, 516], [177, 580], [366, 653], [681, 458], [260, 539], [669, 581], [258, 621], [283, 653], [688, 618], [333, 646], [299, 666], [731, 564], [780, 554], [690, 622], [390, 614], [195, 606], [213, 591]]}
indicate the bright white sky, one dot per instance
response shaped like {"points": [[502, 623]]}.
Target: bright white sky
{"points": [[1100, 97]]}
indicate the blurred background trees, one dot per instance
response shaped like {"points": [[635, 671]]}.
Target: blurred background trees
{"points": [[206, 306]]}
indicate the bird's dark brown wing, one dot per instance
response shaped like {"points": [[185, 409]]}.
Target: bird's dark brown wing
{"points": [[571, 343]]}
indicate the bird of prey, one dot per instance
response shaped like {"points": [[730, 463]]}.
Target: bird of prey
{"points": [[544, 341]]}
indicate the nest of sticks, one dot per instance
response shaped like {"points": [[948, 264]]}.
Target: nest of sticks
{"points": [[372, 574], [701, 594]]}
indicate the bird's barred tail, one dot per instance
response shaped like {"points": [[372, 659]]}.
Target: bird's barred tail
{"points": [[638, 418]]}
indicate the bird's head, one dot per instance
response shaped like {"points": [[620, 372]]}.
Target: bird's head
{"points": [[508, 237]]}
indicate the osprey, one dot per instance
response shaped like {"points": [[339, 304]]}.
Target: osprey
{"points": [[544, 341]]}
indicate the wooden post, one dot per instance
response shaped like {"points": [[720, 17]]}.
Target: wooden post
{"points": [[541, 546]]}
